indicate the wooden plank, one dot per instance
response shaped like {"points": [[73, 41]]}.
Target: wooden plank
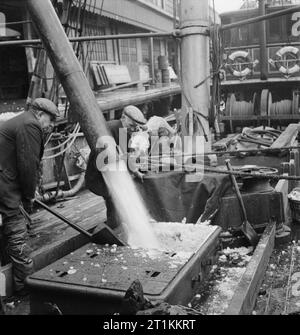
{"points": [[104, 75], [245, 295], [292, 183], [117, 74], [225, 142], [96, 74], [100, 74], [124, 85], [287, 137]]}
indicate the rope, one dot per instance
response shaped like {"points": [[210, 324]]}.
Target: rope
{"points": [[64, 150]]}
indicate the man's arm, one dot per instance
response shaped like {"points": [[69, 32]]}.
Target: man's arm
{"points": [[29, 143]]}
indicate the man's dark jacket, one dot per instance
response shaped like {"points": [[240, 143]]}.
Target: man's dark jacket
{"points": [[21, 149], [93, 178]]}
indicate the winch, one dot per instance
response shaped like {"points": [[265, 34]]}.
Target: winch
{"points": [[253, 184], [263, 203], [95, 278]]}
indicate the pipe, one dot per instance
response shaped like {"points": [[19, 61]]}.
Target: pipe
{"points": [[63, 194], [151, 59], [93, 38], [195, 64], [15, 23], [256, 46], [64, 219], [263, 43], [260, 18], [139, 97]]}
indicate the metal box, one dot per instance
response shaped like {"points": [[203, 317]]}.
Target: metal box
{"points": [[95, 278]]}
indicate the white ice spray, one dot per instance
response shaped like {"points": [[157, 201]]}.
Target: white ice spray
{"points": [[131, 207]]}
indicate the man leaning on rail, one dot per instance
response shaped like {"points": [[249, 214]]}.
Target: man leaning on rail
{"points": [[21, 150]]}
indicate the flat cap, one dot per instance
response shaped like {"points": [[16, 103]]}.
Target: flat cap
{"points": [[46, 106], [135, 114]]}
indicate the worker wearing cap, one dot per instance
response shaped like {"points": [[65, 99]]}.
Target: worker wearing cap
{"points": [[21, 150], [131, 119]]}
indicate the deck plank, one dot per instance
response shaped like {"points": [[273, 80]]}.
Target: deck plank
{"points": [[54, 238], [245, 295]]}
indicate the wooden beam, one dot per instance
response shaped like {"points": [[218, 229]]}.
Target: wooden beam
{"points": [[283, 187], [287, 137], [245, 295]]}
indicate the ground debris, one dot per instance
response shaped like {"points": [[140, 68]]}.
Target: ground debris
{"points": [[136, 304], [281, 282], [215, 294]]}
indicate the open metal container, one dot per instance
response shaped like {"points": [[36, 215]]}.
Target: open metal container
{"points": [[95, 278]]}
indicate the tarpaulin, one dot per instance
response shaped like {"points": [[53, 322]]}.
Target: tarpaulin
{"points": [[169, 197]]}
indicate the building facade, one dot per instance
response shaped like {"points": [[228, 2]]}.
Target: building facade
{"points": [[80, 18]]}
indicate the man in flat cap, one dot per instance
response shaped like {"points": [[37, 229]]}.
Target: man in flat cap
{"points": [[131, 119], [21, 150]]}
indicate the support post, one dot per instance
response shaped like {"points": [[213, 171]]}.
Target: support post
{"points": [[151, 59], [263, 43], [195, 68]]}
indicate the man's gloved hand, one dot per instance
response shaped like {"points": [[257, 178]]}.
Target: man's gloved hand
{"points": [[28, 205]]}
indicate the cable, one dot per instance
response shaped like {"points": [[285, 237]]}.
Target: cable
{"points": [[75, 131], [64, 150]]}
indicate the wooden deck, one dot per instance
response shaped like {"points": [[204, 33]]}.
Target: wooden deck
{"points": [[54, 238]]}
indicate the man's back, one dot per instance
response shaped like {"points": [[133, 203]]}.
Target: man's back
{"points": [[21, 148]]}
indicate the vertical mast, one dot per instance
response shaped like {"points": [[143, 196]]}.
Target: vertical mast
{"points": [[195, 69], [263, 43]]}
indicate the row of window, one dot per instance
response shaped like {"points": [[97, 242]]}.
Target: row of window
{"points": [[279, 29], [166, 5]]}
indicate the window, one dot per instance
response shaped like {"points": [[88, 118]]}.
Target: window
{"points": [[158, 3], [145, 50], [128, 50], [96, 50], [274, 29]]}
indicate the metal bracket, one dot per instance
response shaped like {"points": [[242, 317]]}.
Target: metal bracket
{"points": [[194, 30]]}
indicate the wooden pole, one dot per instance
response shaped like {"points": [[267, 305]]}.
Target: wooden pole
{"points": [[195, 65]]}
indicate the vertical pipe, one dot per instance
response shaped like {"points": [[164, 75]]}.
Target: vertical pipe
{"points": [[195, 68], [263, 43], [151, 59], [175, 4]]}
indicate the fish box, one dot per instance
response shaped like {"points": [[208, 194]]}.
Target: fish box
{"points": [[95, 278]]}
